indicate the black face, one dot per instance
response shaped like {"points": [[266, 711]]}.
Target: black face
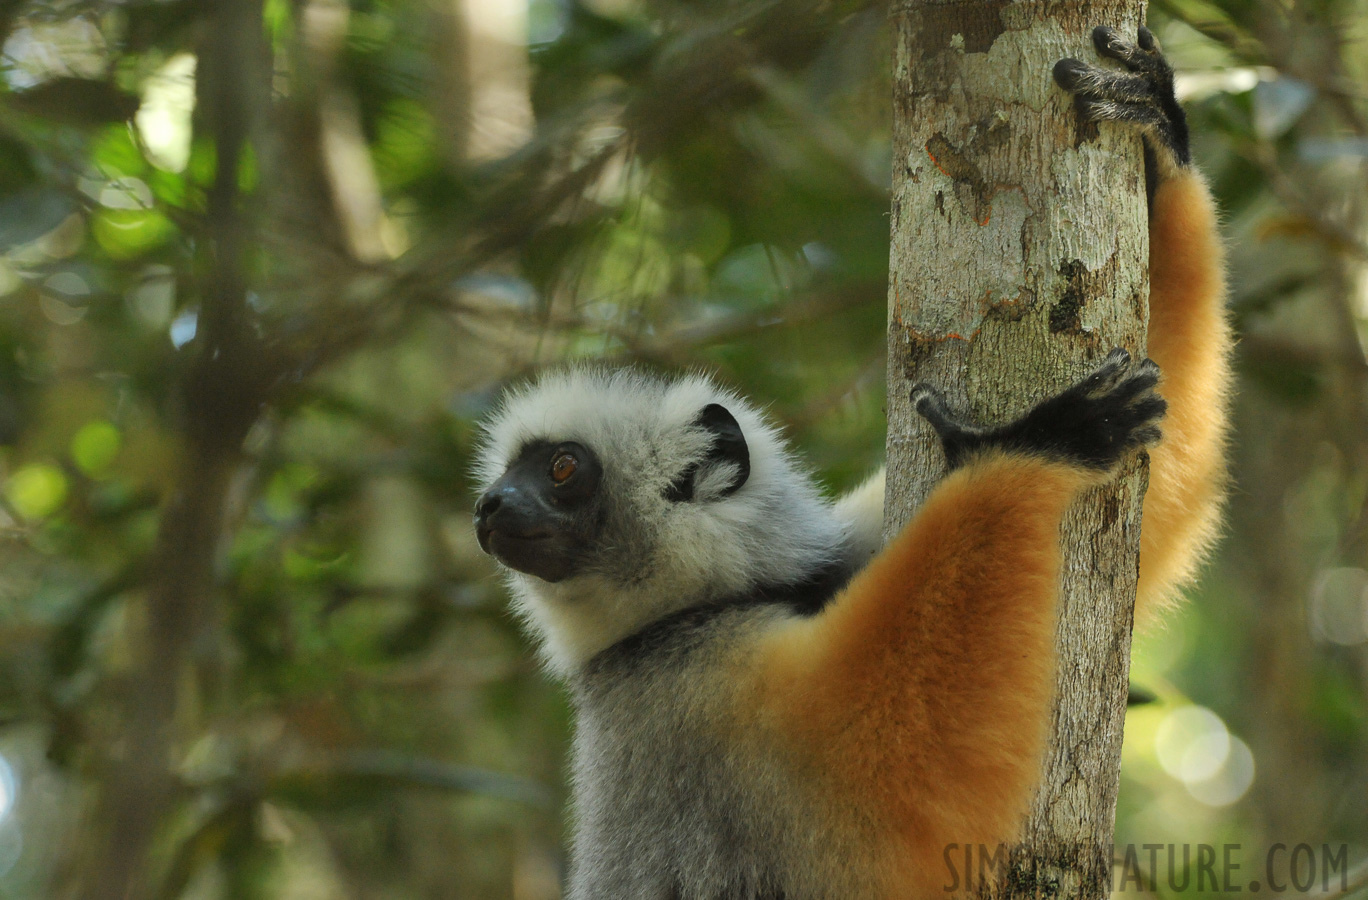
{"points": [[543, 514]]}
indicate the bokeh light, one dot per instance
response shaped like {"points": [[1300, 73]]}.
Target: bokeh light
{"points": [[9, 789], [1194, 746], [1339, 606]]}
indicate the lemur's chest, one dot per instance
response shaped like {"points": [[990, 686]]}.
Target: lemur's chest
{"points": [[668, 803], [666, 741], [681, 793]]}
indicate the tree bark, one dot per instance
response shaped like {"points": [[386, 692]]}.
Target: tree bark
{"points": [[1019, 259]]}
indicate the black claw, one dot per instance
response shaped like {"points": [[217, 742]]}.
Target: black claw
{"points": [[1118, 357], [1136, 57], [1104, 38], [1148, 42]]}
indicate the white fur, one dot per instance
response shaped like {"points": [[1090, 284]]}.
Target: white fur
{"points": [[862, 511], [662, 556]]}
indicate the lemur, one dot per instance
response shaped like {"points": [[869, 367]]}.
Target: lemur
{"points": [[762, 710]]}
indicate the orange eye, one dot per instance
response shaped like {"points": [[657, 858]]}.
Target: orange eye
{"points": [[562, 467]]}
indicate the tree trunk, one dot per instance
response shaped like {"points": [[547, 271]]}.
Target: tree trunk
{"points": [[222, 394], [1020, 259]]}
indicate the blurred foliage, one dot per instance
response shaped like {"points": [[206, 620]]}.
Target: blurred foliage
{"points": [[265, 263]]}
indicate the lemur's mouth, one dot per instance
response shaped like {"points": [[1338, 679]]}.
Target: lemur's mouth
{"points": [[536, 553], [494, 537]]}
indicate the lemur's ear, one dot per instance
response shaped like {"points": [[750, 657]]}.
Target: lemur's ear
{"points": [[728, 458]]}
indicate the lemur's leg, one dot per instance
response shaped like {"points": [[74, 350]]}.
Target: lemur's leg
{"points": [[927, 682], [1189, 334]]}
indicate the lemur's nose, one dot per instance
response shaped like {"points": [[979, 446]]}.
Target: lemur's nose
{"points": [[487, 505]]}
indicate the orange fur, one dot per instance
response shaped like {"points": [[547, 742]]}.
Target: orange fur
{"points": [[923, 691], [1190, 339], [927, 682]]}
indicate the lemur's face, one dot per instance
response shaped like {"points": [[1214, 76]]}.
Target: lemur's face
{"points": [[544, 515], [608, 476]]}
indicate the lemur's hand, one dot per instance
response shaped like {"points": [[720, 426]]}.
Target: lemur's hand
{"points": [[1093, 424], [1142, 96]]}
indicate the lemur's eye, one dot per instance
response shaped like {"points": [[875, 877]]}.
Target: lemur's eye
{"points": [[562, 467]]}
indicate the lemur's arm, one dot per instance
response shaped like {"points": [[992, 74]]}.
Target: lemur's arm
{"points": [[926, 683], [1189, 334]]}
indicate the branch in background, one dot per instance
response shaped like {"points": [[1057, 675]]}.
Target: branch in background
{"points": [[868, 375], [675, 347], [1212, 22], [324, 780], [222, 393], [1329, 80], [1298, 199], [826, 133], [693, 79], [384, 769], [678, 346], [204, 845], [342, 144], [384, 300], [1263, 348]]}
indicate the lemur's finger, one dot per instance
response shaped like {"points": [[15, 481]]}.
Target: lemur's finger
{"points": [[1132, 424], [1106, 376], [1142, 96], [1159, 127], [957, 439], [1137, 413], [1150, 409], [1094, 82], [1136, 396], [930, 403], [1140, 406], [1136, 57], [1141, 380], [1146, 437], [1111, 44], [1145, 115]]}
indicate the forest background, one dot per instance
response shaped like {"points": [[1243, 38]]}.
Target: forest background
{"points": [[265, 263]]}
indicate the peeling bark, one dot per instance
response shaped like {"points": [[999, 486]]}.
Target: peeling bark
{"points": [[1019, 259]]}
